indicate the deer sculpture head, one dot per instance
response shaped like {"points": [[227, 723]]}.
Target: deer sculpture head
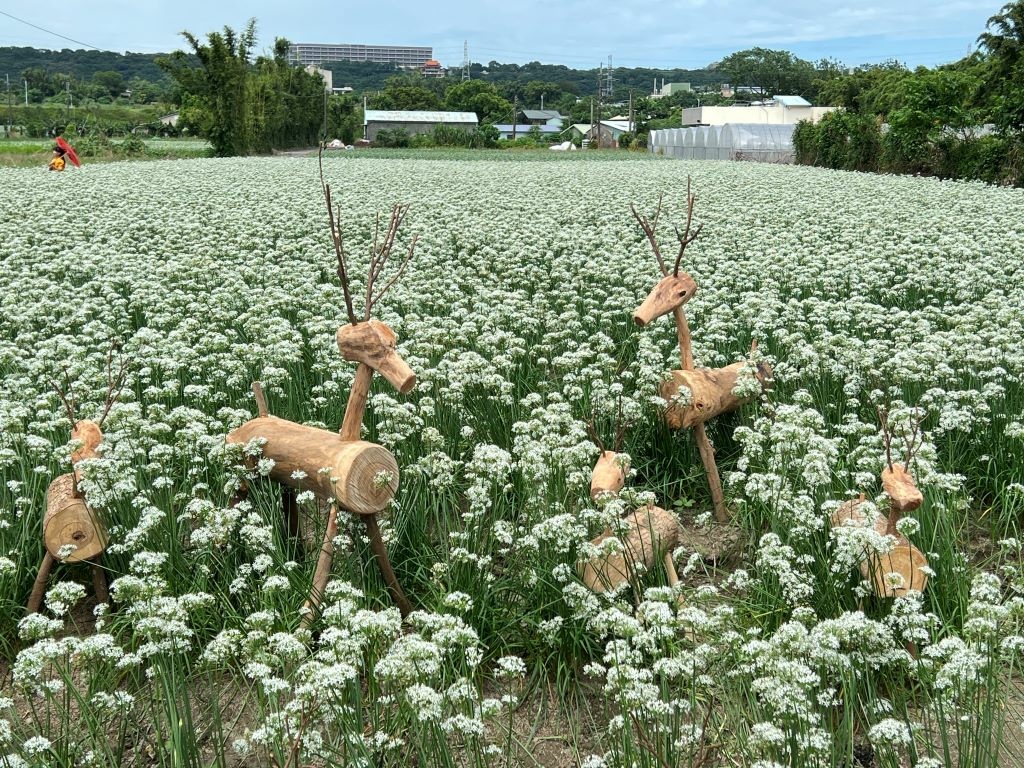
{"points": [[675, 288], [366, 340]]}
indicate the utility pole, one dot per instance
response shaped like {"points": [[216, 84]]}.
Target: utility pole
{"points": [[599, 94], [591, 118], [515, 115], [26, 91], [10, 112], [631, 130]]}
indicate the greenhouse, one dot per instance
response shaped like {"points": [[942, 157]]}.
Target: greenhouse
{"points": [[733, 141]]}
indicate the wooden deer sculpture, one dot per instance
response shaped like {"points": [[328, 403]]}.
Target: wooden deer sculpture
{"points": [[904, 567], [72, 532], [350, 473], [651, 532], [711, 389]]}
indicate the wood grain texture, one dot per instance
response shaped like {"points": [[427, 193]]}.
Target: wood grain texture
{"points": [[373, 343], [901, 489], [68, 520], [904, 559], [88, 432], [351, 467], [355, 409], [608, 476], [670, 292], [711, 390], [650, 532]]}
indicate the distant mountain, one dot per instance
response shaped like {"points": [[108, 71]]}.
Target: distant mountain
{"points": [[81, 64], [360, 75]]}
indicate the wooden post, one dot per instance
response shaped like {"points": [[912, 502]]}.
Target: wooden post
{"points": [[323, 568], [381, 555], [355, 409], [35, 599], [704, 447]]}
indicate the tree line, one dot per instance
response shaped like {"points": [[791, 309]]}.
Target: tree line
{"points": [[961, 120]]}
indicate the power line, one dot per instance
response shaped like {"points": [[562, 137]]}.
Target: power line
{"points": [[50, 31]]}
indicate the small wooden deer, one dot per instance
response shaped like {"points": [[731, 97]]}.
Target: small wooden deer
{"points": [[72, 532], [904, 567], [350, 473], [651, 532], [711, 389]]}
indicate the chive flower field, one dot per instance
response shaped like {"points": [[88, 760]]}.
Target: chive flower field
{"points": [[872, 298]]}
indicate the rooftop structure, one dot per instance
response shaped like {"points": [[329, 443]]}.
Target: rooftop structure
{"points": [[399, 55]]}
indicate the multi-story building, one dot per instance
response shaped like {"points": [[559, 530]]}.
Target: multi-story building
{"points": [[320, 53]]}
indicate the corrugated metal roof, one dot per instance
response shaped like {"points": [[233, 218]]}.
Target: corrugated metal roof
{"points": [[793, 101], [525, 128], [540, 114], [417, 116]]}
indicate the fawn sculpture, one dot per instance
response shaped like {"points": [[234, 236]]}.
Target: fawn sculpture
{"points": [[711, 389], [904, 567], [651, 532], [349, 473], [72, 532]]}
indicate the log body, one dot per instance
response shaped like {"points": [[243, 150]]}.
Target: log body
{"points": [[904, 559], [711, 389], [608, 476], [650, 532], [352, 466], [68, 520]]}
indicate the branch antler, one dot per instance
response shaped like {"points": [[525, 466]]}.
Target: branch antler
{"points": [[381, 254], [650, 228], [115, 382], [685, 238], [336, 239], [67, 397]]}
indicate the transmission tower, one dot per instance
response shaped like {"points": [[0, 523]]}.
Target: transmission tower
{"points": [[465, 60], [606, 80]]}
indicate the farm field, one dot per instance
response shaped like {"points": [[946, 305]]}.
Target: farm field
{"points": [[863, 293], [26, 152]]}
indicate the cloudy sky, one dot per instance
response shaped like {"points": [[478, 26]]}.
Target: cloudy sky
{"points": [[651, 33]]}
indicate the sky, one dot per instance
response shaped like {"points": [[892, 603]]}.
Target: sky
{"points": [[635, 33]]}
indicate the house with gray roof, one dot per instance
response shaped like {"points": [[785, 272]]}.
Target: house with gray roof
{"points": [[413, 121]]}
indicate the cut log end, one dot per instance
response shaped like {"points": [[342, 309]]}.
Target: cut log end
{"points": [[650, 532], [68, 521]]}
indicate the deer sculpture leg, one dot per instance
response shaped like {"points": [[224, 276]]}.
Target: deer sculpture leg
{"points": [[351, 424], [704, 447]]}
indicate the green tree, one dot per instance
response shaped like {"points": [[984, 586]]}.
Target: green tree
{"points": [[217, 87], [1003, 46], [407, 91], [480, 97], [774, 72], [111, 82], [932, 104]]}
